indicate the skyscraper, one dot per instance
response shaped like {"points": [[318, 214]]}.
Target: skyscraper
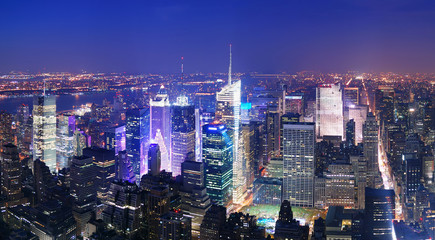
{"points": [[413, 173], [214, 220], [160, 127], [124, 168], [242, 226], [23, 129], [183, 132], [83, 189], [359, 165], [329, 111], [379, 210], [217, 148], [340, 185], [287, 227], [198, 135], [43, 181], [351, 96], [175, 226], [123, 208], [11, 176], [154, 159], [194, 198], [350, 133], [228, 102], [104, 161], [370, 140], [80, 141], [137, 134], [298, 171], [44, 130], [6, 133], [65, 135], [359, 114], [115, 138]]}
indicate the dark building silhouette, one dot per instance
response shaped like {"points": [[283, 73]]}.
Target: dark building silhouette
{"points": [[43, 181], [241, 226], [350, 133], [319, 229], [104, 162], [84, 190], [50, 220], [379, 213], [154, 159], [123, 208], [194, 198], [11, 177], [288, 228], [213, 223], [174, 225]]}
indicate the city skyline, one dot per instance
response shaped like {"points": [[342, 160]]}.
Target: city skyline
{"points": [[145, 136]]}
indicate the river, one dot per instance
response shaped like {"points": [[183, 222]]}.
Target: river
{"points": [[63, 102]]}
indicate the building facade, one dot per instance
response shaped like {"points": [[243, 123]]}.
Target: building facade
{"points": [[44, 130], [298, 159]]}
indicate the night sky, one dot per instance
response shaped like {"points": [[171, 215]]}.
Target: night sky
{"points": [[267, 36]]}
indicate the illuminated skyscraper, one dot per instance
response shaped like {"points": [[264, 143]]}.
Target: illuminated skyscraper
{"points": [[340, 185], [24, 129], [137, 133], [329, 111], [183, 132], [160, 125], [80, 141], [217, 154], [298, 171], [351, 96], [44, 130], [115, 138], [228, 102], [359, 114], [65, 136], [124, 168], [198, 135], [370, 140]]}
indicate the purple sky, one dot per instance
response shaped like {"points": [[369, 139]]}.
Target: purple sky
{"points": [[267, 36]]}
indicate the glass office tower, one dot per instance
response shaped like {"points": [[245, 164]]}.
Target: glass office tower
{"points": [[217, 150], [44, 130]]}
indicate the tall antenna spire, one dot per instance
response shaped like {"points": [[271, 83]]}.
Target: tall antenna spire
{"points": [[182, 68], [229, 69], [44, 88]]}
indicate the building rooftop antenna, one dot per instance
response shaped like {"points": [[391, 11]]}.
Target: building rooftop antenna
{"points": [[43, 94], [229, 69], [182, 68]]}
